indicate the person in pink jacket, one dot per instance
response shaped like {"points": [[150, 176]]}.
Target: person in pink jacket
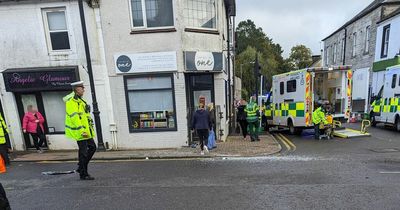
{"points": [[32, 123]]}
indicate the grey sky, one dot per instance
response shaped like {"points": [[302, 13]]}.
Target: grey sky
{"points": [[292, 22]]}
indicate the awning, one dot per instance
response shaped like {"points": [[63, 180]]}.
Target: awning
{"points": [[382, 65]]}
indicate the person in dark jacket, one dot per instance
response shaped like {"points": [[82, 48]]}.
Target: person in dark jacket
{"points": [[4, 204], [241, 117], [201, 122]]}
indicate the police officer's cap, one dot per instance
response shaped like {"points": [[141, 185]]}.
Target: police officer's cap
{"points": [[77, 84]]}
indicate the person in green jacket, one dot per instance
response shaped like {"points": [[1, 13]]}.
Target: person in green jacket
{"points": [[79, 126], [3, 145], [252, 115], [319, 117]]}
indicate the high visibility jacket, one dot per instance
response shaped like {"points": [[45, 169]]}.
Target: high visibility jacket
{"points": [[251, 111], [318, 116], [3, 130], [77, 119]]}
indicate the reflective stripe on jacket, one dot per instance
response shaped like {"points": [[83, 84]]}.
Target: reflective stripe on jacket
{"points": [[318, 116], [77, 119], [251, 111], [3, 130]]}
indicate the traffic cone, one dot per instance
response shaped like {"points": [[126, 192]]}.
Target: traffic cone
{"points": [[2, 165]]}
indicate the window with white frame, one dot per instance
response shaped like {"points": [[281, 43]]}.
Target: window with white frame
{"points": [[201, 14], [354, 46], [343, 46], [327, 56], [334, 53], [367, 38], [56, 28], [152, 13], [385, 41]]}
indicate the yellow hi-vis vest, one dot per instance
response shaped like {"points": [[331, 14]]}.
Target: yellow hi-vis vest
{"points": [[318, 116], [3, 130], [251, 111], [77, 119]]}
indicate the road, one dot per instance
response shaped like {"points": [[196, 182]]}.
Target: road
{"points": [[358, 173]]}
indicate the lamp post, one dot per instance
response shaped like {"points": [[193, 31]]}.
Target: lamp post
{"points": [[96, 111]]}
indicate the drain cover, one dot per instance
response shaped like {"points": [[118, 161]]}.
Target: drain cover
{"points": [[386, 150]]}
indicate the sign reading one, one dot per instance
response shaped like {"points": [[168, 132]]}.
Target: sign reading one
{"points": [[145, 62], [23, 80], [203, 61]]}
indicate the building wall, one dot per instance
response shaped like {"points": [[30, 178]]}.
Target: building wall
{"points": [[394, 41], [23, 45], [118, 39]]}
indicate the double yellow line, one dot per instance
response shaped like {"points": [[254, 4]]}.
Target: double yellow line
{"points": [[288, 144]]}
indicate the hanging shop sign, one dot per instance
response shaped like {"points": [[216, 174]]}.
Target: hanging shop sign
{"points": [[40, 79], [203, 61], [145, 62]]}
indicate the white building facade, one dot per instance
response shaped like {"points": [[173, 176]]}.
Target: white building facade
{"points": [[387, 51], [41, 53], [161, 56]]}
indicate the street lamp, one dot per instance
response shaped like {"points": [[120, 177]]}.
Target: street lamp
{"points": [[96, 111]]}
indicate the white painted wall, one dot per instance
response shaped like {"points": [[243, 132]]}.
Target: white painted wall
{"points": [[23, 44], [394, 40]]}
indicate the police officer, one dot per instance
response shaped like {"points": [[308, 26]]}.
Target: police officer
{"points": [[318, 118], [3, 145], [252, 118], [79, 126]]}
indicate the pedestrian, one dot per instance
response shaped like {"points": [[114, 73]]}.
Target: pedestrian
{"points": [[252, 115], [201, 123], [241, 117], [4, 204], [79, 126], [32, 123], [319, 120], [3, 145]]}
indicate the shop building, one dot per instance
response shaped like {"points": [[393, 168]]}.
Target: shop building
{"points": [[161, 56], [41, 53]]}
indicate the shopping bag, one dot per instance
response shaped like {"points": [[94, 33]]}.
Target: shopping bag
{"points": [[211, 140]]}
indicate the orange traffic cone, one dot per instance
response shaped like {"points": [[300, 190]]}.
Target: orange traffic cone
{"points": [[2, 165]]}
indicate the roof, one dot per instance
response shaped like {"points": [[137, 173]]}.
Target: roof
{"points": [[393, 14], [371, 7]]}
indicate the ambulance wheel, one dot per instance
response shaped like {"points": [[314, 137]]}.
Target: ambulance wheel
{"points": [[293, 130], [397, 125]]}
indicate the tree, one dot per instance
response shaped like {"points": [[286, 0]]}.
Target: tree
{"points": [[300, 57]]}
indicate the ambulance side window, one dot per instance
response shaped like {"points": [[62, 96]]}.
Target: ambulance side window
{"points": [[291, 86], [282, 88], [394, 80]]}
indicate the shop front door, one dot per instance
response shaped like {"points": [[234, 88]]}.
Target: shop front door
{"points": [[23, 101], [198, 85]]}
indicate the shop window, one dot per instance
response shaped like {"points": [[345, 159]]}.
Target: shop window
{"points": [[151, 103], [291, 86], [394, 80], [56, 29], [282, 88], [54, 107], [152, 13], [200, 14], [385, 41]]}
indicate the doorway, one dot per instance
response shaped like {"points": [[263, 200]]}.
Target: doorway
{"points": [[2, 114], [198, 85]]}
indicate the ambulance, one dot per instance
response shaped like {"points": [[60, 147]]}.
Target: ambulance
{"points": [[294, 96], [386, 106]]}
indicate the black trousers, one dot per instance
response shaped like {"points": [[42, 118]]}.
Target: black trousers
{"points": [[243, 124], [87, 148], [317, 131], [4, 153], [203, 136], [38, 138], [4, 204]]}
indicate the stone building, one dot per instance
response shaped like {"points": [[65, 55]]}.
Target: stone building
{"points": [[354, 44]]}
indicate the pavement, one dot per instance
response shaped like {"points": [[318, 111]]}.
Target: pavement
{"points": [[235, 146]]}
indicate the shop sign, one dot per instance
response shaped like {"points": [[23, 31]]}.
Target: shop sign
{"points": [[145, 62], [203, 61], [40, 79]]}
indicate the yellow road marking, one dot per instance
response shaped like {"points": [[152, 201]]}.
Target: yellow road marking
{"points": [[288, 142], [283, 141]]}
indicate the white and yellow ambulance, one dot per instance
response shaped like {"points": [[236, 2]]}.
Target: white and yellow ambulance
{"points": [[294, 95], [386, 106]]}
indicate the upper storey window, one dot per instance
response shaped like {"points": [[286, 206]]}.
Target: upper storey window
{"points": [[152, 13], [201, 14]]}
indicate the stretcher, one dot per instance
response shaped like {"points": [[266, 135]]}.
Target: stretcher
{"points": [[342, 132]]}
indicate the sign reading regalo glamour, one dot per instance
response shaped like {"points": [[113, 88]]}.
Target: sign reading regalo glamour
{"points": [[145, 62], [40, 79], [203, 61]]}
